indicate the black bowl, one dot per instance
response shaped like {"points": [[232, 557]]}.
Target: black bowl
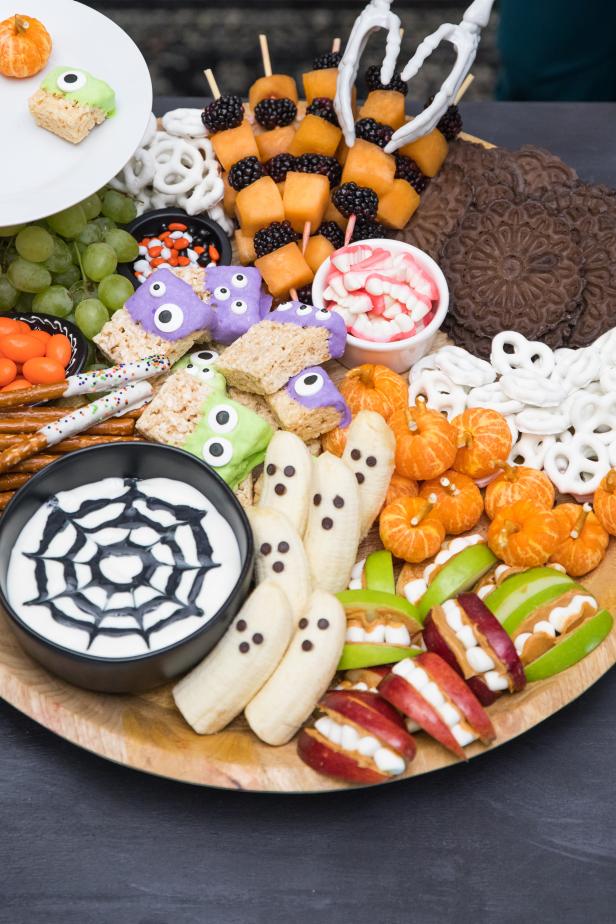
{"points": [[149, 225], [53, 325], [142, 460]]}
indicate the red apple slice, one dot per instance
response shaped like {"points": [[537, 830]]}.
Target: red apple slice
{"points": [[456, 690], [435, 642], [359, 708], [401, 694], [500, 643], [338, 764]]}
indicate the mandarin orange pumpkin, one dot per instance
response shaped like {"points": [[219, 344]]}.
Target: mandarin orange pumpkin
{"points": [[524, 535], [374, 388], [586, 540], [515, 483], [457, 501], [399, 486], [25, 46], [605, 502], [484, 441], [410, 529], [335, 440], [425, 441]]}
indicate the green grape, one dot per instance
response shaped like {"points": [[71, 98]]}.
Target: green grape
{"points": [[61, 257], [8, 294], [34, 243], [68, 223], [99, 261], [92, 206], [10, 230], [91, 234], [81, 248], [105, 224], [67, 277], [28, 277], [119, 207], [90, 316], [82, 290], [54, 300], [24, 302], [124, 244], [114, 290]]}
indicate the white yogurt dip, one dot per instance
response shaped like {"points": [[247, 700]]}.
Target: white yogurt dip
{"points": [[123, 566]]}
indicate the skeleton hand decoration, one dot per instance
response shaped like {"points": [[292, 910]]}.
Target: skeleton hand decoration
{"points": [[375, 16], [464, 37]]}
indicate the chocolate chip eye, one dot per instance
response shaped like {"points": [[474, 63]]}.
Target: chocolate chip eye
{"points": [[338, 501], [168, 318], [217, 452], [327, 522], [239, 280], [222, 294], [322, 314], [223, 418], [278, 567], [286, 306], [157, 289], [257, 638], [355, 454], [323, 623], [241, 625], [283, 547], [360, 477], [271, 469], [316, 500], [303, 310], [308, 384], [371, 461], [307, 645], [280, 489], [71, 80], [303, 623], [265, 548], [239, 307], [289, 470], [244, 647]]}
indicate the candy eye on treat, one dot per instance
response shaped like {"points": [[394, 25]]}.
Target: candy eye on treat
{"points": [[310, 404], [238, 300], [202, 365], [71, 102]]}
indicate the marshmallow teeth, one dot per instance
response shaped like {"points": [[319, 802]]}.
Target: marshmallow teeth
{"points": [[217, 690], [285, 702], [280, 556], [287, 476], [370, 455], [334, 524]]}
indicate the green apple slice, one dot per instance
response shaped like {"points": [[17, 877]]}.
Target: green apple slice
{"points": [[519, 595], [378, 606], [367, 654], [572, 649], [379, 572], [460, 573]]}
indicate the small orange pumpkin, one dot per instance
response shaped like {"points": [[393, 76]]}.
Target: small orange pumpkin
{"points": [[457, 501], [399, 486], [484, 441], [410, 529], [425, 441], [515, 483], [25, 46], [586, 540], [335, 440], [374, 388], [605, 502], [524, 535]]}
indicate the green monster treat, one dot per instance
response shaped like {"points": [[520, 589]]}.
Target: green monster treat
{"points": [[70, 102], [201, 365]]}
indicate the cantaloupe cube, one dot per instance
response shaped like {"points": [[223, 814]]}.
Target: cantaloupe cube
{"points": [[281, 86], [317, 251], [368, 165], [332, 214], [229, 196], [428, 152], [315, 136], [258, 205], [386, 106], [397, 206], [245, 248], [284, 269], [234, 144], [322, 83], [275, 141], [305, 199]]}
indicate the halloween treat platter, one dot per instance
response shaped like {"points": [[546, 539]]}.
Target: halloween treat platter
{"points": [[342, 509]]}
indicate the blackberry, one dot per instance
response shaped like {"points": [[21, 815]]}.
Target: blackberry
{"points": [[225, 112], [407, 169], [274, 112], [373, 131], [305, 295], [244, 172], [351, 199], [373, 81], [274, 236], [278, 166], [368, 229], [320, 163], [333, 233], [329, 59], [323, 107], [451, 123]]}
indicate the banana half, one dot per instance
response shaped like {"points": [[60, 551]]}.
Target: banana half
{"points": [[370, 454], [287, 476], [280, 556]]}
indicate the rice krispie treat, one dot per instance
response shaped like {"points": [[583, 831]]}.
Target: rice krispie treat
{"points": [[175, 410], [310, 405], [71, 102], [256, 403]]}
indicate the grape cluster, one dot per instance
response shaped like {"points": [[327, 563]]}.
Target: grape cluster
{"points": [[65, 265]]}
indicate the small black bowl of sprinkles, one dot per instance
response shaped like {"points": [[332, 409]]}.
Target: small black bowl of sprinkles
{"points": [[171, 238]]}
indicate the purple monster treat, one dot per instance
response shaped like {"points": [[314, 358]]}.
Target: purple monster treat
{"points": [[309, 316], [238, 299], [167, 306], [310, 404], [313, 388]]}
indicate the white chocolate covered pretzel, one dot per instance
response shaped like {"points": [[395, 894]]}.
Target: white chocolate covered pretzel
{"points": [[578, 466], [184, 123], [533, 388], [440, 392], [511, 351]]}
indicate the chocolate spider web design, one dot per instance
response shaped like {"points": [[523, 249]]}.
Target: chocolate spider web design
{"points": [[131, 518]]}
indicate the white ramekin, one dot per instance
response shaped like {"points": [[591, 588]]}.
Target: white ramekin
{"points": [[401, 354]]}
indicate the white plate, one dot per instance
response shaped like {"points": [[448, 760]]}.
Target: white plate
{"points": [[40, 173]]}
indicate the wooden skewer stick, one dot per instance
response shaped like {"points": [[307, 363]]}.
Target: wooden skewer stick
{"points": [[348, 234], [267, 62], [336, 45], [209, 76], [306, 235], [465, 85]]}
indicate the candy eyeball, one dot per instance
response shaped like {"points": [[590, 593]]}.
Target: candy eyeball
{"points": [[203, 373], [203, 358], [322, 314], [286, 306], [239, 307], [222, 418], [157, 289], [168, 318], [239, 281], [309, 384], [69, 81], [217, 451], [222, 293], [303, 310]]}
